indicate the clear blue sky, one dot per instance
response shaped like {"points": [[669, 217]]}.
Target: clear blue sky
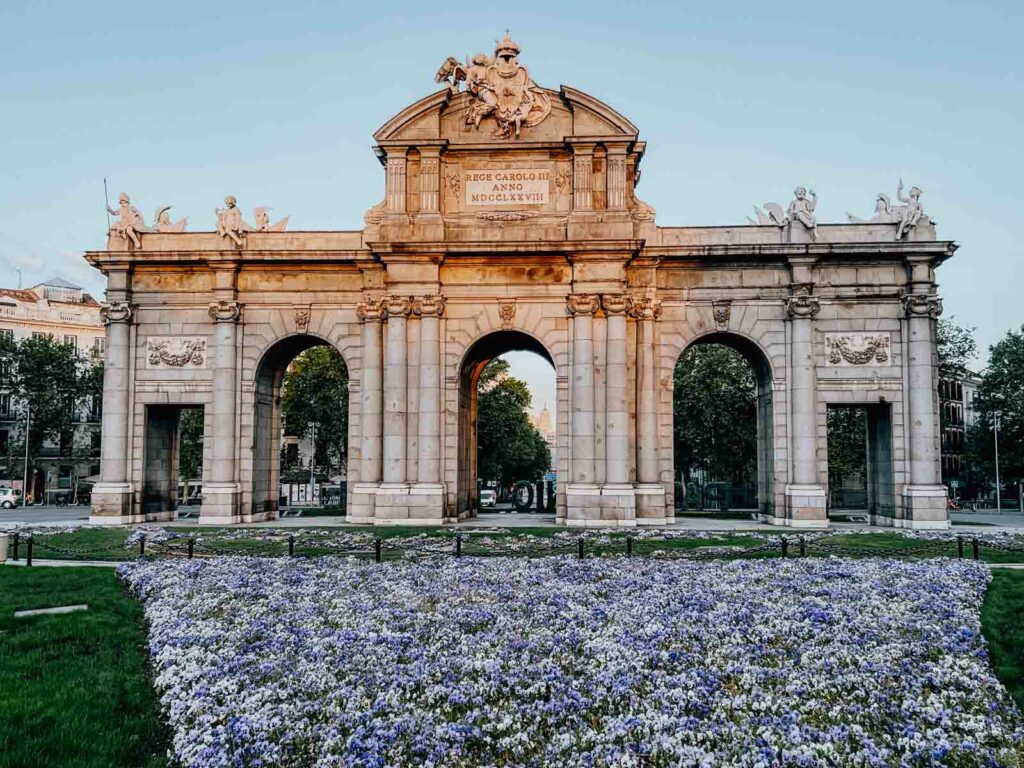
{"points": [[182, 103]]}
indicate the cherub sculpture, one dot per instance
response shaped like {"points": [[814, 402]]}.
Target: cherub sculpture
{"points": [[230, 223], [129, 224], [802, 209], [162, 221]]}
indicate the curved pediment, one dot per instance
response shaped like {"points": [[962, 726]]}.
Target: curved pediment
{"points": [[448, 117]]}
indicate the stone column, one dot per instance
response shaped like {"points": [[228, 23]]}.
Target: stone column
{"points": [[650, 492], [582, 493], [112, 495], [618, 500], [426, 498], [805, 495], [221, 489], [430, 181], [372, 314], [925, 496], [393, 496]]}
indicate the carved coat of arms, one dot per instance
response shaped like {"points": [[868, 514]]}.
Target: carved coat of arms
{"points": [[502, 87]]}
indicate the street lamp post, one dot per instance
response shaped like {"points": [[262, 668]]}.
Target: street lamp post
{"points": [[28, 428], [312, 459], [996, 417]]}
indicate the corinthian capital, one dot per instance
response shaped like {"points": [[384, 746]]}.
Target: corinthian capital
{"points": [[802, 304], [116, 312], [582, 304], [224, 311], [616, 303], [428, 306], [398, 306], [645, 308], [922, 305]]}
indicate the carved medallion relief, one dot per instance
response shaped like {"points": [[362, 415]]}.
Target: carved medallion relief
{"points": [[175, 352], [849, 349]]}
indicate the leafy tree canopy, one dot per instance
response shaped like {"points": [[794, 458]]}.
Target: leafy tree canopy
{"points": [[315, 389], [715, 414], [956, 347], [1002, 389], [509, 447]]}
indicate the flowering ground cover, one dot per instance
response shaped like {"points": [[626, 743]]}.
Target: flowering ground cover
{"points": [[554, 661]]}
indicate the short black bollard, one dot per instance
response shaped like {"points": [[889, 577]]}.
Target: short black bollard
{"points": [[579, 548], [191, 547], [291, 546], [629, 546], [142, 545], [785, 546], [974, 548], [960, 547], [458, 545], [15, 545], [803, 547], [28, 552], [376, 549]]}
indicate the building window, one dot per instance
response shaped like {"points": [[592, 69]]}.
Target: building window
{"points": [[5, 406], [39, 335], [5, 441], [72, 340], [7, 333], [98, 345]]}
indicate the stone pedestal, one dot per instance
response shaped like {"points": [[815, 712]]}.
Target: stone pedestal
{"points": [[220, 504], [111, 504], [582, 505], [805, 507], [924, 508]]}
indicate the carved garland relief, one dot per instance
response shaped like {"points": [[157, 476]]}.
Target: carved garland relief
{"points": [[846, 349], [175, 352]]}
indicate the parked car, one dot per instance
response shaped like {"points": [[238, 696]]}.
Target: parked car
{"points": [[488, 498], [10, 498]]}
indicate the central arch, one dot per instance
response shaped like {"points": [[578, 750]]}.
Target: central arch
{"points": [[268, 418], [760, 368], [477, 357]]}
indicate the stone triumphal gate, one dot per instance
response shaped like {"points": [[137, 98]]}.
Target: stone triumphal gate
{"points": [[510, 221]]}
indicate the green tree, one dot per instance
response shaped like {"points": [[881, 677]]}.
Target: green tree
{"points": [[509, 447], [956, 348], [714, 406], [190, 445], [847, 445], [315, 389], [1001, 389]]}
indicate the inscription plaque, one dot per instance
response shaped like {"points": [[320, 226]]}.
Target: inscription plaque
{"points": [[508, 186]]}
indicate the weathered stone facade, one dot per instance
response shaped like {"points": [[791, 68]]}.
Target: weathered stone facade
{"points": [[527, 237]]}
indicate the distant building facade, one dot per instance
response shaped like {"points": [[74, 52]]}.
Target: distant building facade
{"points": [[64, 311], [956, 416]]}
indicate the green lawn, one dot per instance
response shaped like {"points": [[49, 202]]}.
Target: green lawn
{"points": [[1002, 620], [73, 688]]}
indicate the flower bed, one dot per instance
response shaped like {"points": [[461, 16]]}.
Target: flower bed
{"points": [[551, 661]]}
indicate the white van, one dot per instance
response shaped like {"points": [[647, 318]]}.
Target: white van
{"points": [[488, 498], [10, 498]]}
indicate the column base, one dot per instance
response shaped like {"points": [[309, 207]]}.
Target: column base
{"points": [[112, 504], [220, 504], [427, 505], [582, 504], [618, 505], [651, 506], [924, 508], [806, 506], [363, 503]]}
